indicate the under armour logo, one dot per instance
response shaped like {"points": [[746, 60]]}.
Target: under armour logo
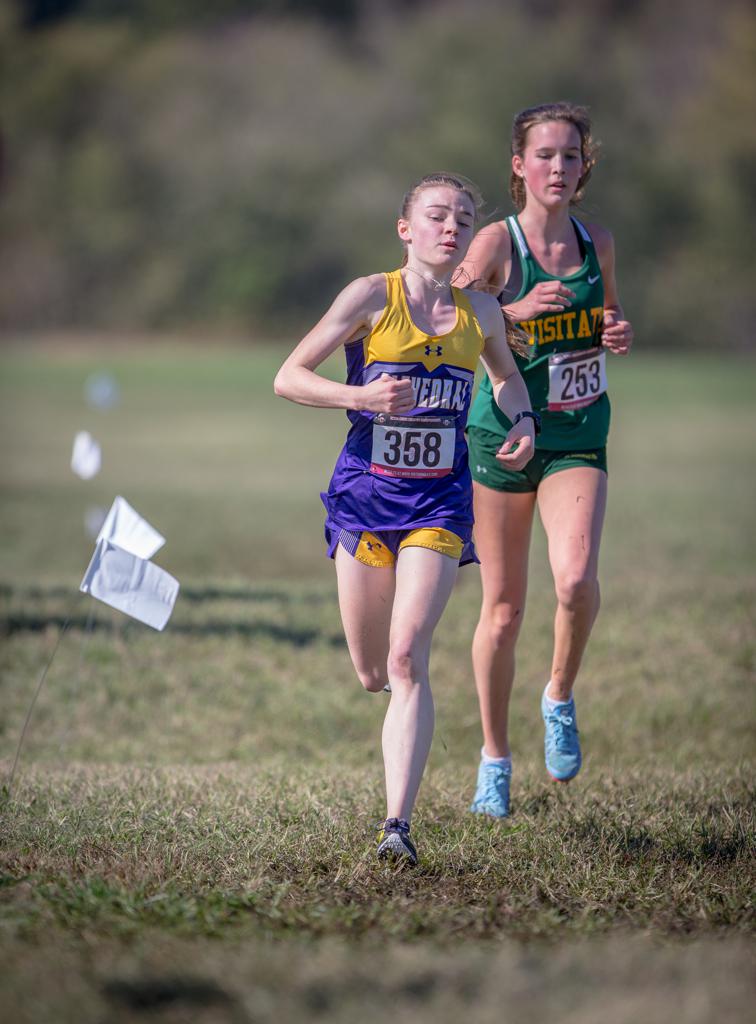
{"points": [[369, 545], [429, 350]]}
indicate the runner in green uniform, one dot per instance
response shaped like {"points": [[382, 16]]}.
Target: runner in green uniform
{"points": [[555, 278]]}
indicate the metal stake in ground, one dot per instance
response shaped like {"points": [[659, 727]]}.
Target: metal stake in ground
{"points": [[63, 630]]}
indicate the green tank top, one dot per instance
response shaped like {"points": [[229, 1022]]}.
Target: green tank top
{"points": [[577, 328]]}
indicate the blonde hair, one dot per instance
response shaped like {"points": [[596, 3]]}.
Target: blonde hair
{"points": [[572, 114], [456, 181]]}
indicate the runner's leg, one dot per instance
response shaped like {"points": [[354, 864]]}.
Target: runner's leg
{"points": [[503, 524], [366, 596], [424, 582], [572, 504]]}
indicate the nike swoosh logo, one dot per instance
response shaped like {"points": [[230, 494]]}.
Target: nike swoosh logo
{"points": [[593, 280]]}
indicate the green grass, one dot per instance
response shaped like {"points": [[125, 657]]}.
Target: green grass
{"points": [[193, 802]]}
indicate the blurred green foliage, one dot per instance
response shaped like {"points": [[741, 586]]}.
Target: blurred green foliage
{"points": [[234, 172]]}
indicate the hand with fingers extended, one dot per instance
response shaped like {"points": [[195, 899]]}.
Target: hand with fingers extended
{"points": [[617, 335], [519, 446], [388, 394], [546, 297]]}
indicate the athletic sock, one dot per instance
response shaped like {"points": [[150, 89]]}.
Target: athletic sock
{"points": [[552, 705], [503, 762]]}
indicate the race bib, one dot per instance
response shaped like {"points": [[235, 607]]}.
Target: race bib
{"points": [[576, 378], [413, 446]]}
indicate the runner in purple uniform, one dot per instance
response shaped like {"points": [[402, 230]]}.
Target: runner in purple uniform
{"points": [[399, 504]]}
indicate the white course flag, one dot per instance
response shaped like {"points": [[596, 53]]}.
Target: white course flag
{"points": [[101, 390], [125, 527], [131, 584], [86, 457]]}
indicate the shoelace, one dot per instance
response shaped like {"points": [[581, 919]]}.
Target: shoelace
{"points": [[393, 825], [491, 775], [564, 726]]}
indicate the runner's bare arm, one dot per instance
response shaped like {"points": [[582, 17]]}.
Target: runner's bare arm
{"points": [[510, 391], [618, 332], [353, 313]]}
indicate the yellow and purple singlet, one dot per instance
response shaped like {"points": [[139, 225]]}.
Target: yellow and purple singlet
{"points": [[405, 472]]}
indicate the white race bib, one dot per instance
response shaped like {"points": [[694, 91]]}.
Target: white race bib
{"points": [[413, 446], [576, 379]]}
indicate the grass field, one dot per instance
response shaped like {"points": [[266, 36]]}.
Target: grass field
{"points": [[189, 835]]}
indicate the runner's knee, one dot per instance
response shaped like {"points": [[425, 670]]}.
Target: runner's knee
{"points": [[373, 677], [502, 622], [577, 592], [406, 665]]}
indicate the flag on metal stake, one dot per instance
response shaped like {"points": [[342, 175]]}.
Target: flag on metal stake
{"points": [[130, 584]]}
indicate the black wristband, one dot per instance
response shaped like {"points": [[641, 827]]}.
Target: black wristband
{"points": [[531, 415]]}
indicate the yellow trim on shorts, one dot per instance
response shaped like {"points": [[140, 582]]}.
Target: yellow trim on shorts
{"points": [[373, 552], [436, 539]]}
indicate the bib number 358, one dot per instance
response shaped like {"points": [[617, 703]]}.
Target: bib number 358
{"points": [[576, 378], [412, 446]]}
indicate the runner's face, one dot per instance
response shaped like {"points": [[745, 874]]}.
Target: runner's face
{"points": [[551, 164], [439, 227]]}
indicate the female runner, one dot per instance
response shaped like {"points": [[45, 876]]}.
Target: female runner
{"points": [[554, 277], [399, 504]]}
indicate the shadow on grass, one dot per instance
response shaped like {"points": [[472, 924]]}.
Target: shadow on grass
{"points": [[195, 595], [151, 995], [705, 845], [296, 637]]}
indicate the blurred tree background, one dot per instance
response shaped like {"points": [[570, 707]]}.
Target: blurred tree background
{"points": [[228, 166]]}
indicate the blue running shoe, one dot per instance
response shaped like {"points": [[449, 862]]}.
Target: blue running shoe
{"points": [[492, 792], [394, 842], [561, 743]]}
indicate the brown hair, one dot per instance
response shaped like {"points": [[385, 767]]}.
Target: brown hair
{"points": [[572, 114]]}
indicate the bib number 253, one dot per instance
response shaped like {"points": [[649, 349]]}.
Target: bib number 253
{"points": [[576, 379]]}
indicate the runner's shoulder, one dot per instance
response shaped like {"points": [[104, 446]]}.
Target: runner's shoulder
{"points": [[602, 237], [489, 252], [493, 238], [367, 294]]}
